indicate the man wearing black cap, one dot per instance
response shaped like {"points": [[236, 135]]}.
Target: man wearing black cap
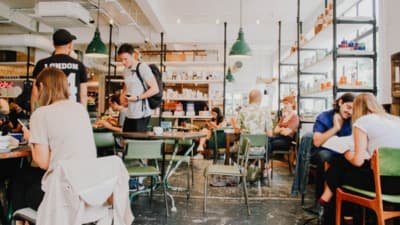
{"points": [[73, 69]]}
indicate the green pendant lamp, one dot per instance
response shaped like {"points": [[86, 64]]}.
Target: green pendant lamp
{"points": [[229, 76], [240, 48], [97, 48]]}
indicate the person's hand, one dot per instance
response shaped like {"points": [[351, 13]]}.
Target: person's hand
{"points": [[285, 131], [212, 125], [26, 133], [131, 98], [337, 122]]}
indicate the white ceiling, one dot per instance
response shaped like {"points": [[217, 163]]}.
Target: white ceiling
{"points": [[147, 18]]}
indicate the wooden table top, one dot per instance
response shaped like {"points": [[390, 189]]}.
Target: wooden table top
{"points": [[164, 135], [21, 151]]}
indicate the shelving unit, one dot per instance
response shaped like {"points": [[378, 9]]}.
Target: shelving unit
{"points": [[286, 79], [325, 57]]}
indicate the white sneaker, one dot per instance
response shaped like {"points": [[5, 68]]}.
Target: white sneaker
{"points": [[198, 156]]}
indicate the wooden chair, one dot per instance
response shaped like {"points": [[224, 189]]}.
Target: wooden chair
{"points": [[145, 150], [238, 170], [384, 162]]}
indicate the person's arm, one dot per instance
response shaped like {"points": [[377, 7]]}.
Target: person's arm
{"points": [[122, 98], [152, 89], [34, 96], [40, 152], [319, 138], [109, 126], [360, 147], [83, 94]]}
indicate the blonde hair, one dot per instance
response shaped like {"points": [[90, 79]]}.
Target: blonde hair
{"points": [[366, 103], [52, 84]]}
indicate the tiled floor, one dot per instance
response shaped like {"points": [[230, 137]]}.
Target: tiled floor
{"points": [[269, 205]]}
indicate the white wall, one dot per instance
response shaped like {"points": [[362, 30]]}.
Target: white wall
{"points": [[260, 64], [388, 44]]}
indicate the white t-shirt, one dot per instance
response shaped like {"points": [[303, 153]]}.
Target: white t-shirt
{"points": [[382, 131], [134, 87], [65, 127]]}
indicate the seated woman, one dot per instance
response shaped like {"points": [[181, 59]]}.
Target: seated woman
{"points": [[217, 121], [369, 121], [60, 129], [286, 128]]}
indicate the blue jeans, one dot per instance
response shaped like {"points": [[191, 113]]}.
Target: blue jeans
{"points": [[318, 157]]}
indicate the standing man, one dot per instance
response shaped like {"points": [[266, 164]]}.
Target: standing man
{"points": [[61, 59], [139, 112]]}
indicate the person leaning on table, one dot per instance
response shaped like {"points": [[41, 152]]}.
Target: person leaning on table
{"points": [[353, 167], [336, 121]]}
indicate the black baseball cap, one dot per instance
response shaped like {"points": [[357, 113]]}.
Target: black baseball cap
{"points": [[62, 37]]}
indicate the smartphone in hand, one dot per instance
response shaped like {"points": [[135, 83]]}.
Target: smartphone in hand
{"points": [[22, 123]]}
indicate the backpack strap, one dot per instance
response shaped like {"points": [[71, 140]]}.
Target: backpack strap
{"points": [[141, 81]]}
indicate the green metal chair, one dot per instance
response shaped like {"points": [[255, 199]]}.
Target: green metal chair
{"points": [[291, 151], [237, 170], [105, 142], [145, 150], [218, 142], [186, 158], [257, 140], [384, 162]]}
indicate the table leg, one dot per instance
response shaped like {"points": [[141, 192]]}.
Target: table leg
{"points": [[167, 172]]}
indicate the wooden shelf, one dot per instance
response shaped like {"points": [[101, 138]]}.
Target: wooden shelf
{"points": [[192, 81], [323, 40]]}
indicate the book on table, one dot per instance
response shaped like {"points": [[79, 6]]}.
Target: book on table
{"points": [[339, 144]]}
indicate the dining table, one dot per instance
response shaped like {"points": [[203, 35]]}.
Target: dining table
{"points": [[176, 136], [21, 152]]}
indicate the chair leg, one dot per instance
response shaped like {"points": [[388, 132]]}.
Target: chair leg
{"points": [[379, 217], [338, 208], [245, 195], [151, 188], [205, 192], [289, 163], [188, 181], [165, 196]]}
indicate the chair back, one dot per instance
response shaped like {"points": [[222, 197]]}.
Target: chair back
{"points": [[244, 152], [256, 140], [104, 139], [218, 139], [387, 160], [143, 149]]}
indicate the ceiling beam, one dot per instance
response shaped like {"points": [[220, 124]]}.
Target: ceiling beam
{"points": [[13, 16], [152, 13]]}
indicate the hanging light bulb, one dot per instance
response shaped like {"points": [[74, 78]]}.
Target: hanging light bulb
{"points": [[240, 48], [97, 48]]}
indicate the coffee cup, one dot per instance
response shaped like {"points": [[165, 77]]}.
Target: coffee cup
{"points": [[158, 130]]}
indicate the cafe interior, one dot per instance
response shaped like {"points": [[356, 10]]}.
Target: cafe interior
{"points": [[199, 112]]}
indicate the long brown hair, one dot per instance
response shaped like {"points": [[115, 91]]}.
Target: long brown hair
{"points": [[52, 85], [366, 103]]}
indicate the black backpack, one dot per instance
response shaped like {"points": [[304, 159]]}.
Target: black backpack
{"points": [[155, 100]]}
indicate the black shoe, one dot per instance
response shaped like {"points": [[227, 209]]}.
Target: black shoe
{"points": [[313, 209]]}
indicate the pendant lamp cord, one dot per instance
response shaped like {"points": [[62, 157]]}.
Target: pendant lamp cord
{"points": [[98, 13], [241, 14]]}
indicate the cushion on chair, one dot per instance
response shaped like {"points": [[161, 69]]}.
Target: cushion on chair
{"points": [[143, 171], [371, 194], [222, 170]]}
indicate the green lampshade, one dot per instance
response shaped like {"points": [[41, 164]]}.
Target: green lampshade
{"points": [[96, 48], [229, 76], [240, 48]]}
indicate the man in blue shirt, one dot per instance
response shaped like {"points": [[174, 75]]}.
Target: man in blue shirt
{"points": [[337, 122]]}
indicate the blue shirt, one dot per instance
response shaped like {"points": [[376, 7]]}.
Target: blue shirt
{"points": [[324, 122]]}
